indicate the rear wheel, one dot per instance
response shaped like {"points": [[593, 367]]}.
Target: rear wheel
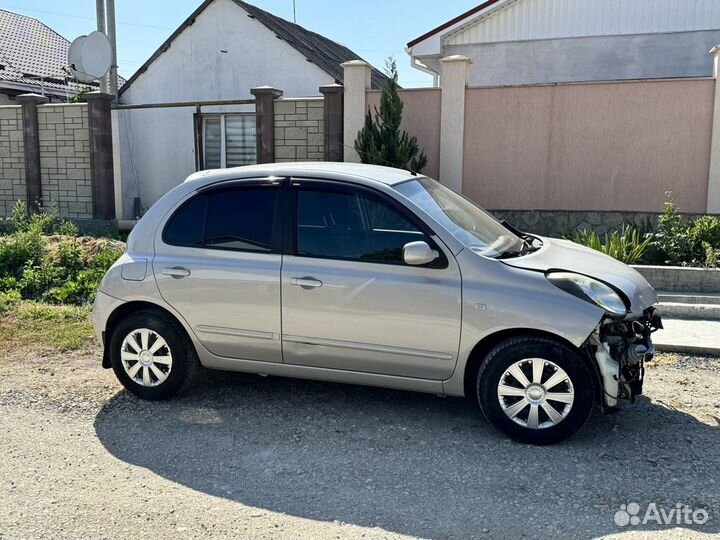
{"points": [[151, 355], [535, 390]]}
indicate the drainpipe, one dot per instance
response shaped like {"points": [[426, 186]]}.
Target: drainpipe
{"points": [[417, 64]]}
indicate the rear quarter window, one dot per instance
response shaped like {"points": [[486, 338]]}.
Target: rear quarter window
{"points": [[239, 219], [186, 226]]}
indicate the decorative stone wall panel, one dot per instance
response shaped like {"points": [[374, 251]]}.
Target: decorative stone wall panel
{"points": [[64, 159], [12, 158], [299, 130]]}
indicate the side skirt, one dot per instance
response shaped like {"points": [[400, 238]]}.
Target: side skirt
{"points": [[321, 374]]}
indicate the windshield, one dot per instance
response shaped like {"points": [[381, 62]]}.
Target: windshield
{"points": [[470, 224]]}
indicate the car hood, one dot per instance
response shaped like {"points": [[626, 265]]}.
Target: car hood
{"points": [[564, 255]]}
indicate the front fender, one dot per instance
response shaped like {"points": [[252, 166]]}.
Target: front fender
{"points": [[501, 298]]}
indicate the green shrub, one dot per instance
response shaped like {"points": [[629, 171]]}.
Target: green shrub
{"points": [[36, 280], [46, 221], [704, 230], [682, 242], [67, 228], [59, 269], [70, 256], [18, 251], [711, 256], [9, 284], [8, 300], [83, 285], [19, 219], [626, 245], [6, 226], [672, 239]]}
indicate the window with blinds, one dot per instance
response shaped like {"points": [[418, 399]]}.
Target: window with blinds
{"points": [[229, 140]]}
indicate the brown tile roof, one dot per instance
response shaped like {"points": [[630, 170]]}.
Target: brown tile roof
{"points": [[33, 56]]}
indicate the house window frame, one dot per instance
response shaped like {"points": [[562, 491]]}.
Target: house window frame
{"points": [[223, 135]]}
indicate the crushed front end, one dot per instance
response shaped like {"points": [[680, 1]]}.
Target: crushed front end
{"points": [[620, 348]]}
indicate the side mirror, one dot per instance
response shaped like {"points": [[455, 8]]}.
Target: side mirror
{"points": [[418, 253]]}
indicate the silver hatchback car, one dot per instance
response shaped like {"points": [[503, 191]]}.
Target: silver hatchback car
{"points": [[370, 275]]}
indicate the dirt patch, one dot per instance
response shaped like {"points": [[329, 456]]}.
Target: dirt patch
{"points": [[249, 457]]}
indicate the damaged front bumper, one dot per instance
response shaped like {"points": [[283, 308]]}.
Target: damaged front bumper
{"points": [[619, 349]]}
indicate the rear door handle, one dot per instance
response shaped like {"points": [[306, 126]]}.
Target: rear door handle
{"points": [[306, 282], [177, 272]]}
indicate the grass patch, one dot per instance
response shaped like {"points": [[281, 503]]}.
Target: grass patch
{"points": [[37, 325]]}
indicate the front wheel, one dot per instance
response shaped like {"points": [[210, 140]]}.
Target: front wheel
{"points": [[535, 390], [151, 355]]}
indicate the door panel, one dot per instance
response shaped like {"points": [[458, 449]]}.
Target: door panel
{"points": [[348, 299], [394, 320], [218, 263], [230, 300]]}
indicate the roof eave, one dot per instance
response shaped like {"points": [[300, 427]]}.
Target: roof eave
{"points": [[452, 22]]}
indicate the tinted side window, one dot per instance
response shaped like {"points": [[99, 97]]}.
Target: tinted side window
{"points": [[382, 217], [352, 225], [241, 219], [186, 227]]}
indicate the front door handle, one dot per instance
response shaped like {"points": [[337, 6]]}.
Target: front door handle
{"points": [[177, 272], [306, 282]]}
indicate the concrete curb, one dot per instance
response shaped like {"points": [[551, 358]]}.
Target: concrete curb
{"points": [[687, 311], [681, 278], [687, 349]]}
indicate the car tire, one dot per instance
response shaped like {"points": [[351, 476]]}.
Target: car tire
{"points": [[553, 380], [158, 370]]}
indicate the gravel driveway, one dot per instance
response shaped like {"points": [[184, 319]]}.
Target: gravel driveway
{"points": [[250, 457]]}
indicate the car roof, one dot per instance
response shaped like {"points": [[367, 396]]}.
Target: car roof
{"points": [[353, 172]]}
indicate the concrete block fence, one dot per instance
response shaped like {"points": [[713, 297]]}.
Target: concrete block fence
{"points": [[12, 158], [58, 155], [299, 129]]}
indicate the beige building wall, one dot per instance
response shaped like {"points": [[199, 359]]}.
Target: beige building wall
{"points": [[602, 146], [421, 118], [299, 130]]}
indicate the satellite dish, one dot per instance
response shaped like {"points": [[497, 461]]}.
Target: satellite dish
{"points": [[75, 61], [90, 57]]}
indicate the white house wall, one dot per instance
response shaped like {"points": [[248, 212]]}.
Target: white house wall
{"points": [[601, 58], [157, 146], [547, 19]]}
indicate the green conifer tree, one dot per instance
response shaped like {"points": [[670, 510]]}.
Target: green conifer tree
{"points": [[380, 141]]}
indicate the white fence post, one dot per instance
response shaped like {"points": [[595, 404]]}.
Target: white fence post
{"points": [[713, 196], [453, 81], [357, 82]]}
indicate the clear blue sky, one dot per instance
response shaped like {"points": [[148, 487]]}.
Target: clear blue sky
{"points": [[374, 29]]}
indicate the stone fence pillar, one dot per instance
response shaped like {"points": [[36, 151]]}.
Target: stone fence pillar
{"points": [[453, 81], [357, 76], [101, 155], [333, 105], [265, 97], [31, 141]]}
